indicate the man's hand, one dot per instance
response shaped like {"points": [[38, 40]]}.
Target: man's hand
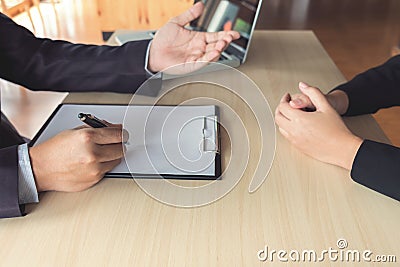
{"points": [[75, 160], [173, 44], [320, 134]]}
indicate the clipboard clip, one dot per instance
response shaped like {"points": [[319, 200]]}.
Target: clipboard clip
{"points": [[210, 132]]}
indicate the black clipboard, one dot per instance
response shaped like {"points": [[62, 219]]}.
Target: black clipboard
{"points": [[189, 176]]}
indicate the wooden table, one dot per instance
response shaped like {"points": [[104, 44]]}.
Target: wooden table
{"points": [[303, 204]]}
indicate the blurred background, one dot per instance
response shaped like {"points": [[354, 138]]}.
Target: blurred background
{"points": [[357, 34]]}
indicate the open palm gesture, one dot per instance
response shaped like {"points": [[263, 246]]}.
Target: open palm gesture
{"points": [[173, 44]]}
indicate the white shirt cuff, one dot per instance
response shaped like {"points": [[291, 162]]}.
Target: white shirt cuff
{"points": [[146, 62], [27, 192]]}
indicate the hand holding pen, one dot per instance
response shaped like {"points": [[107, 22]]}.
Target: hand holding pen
{"points": [[95, 122], [79, 158]]}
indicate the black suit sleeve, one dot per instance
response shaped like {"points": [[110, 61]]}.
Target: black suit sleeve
{"points": [[376, 165], [9, 205], [43, 64], [374, 89]]}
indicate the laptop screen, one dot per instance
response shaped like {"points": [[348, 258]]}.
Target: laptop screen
{"points": [[238, 15]]}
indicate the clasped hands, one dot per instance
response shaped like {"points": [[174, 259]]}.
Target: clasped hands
{"points": [[311, 121]]}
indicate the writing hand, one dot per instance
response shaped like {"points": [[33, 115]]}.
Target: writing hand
{"points": [[75, 160]]}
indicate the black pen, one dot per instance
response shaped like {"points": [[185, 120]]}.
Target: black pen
{"points": [[91, 120]]}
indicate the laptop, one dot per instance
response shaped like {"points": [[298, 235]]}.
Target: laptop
{"points": [[218, 15]]}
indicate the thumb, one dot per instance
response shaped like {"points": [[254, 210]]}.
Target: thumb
{"points": [[192, 13], [316, 96]]}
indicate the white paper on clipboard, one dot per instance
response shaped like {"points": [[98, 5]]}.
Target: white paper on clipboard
{"points": [[166, 140]]}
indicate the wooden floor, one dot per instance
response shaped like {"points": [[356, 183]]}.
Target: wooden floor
{"points": [[358, 34]]}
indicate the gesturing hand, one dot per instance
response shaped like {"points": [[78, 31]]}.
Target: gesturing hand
{"points": [[173, 44], [75, 160], [320, 134]]}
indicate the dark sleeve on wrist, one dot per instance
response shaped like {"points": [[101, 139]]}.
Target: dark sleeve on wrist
{"points": [[377, 166], [374, 89], [9, 205]]}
